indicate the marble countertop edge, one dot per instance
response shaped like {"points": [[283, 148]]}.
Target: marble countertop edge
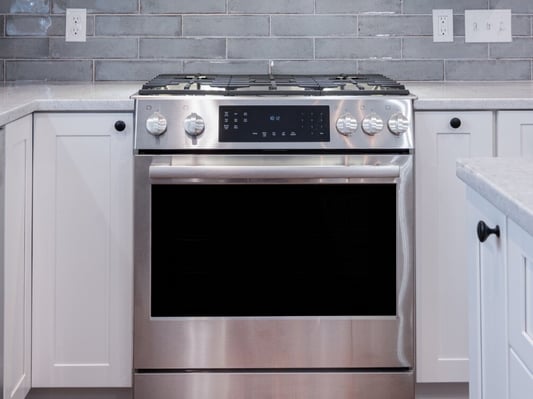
{"points": [[507, 183]]}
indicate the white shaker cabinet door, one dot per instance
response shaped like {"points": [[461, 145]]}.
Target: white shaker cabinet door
{"points": [[16, 248], [487, 286], [520, 286], [515, 134], [83, 269], [441, 264]]}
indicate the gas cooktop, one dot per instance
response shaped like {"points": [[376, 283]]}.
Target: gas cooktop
{"points": [[250, 85]]}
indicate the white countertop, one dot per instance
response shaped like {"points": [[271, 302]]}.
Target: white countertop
{"points": [[505, 182], [20, 99], [472, 95]]}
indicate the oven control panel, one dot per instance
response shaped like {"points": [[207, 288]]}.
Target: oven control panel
{"points": [[176, 123], [290, 123]]}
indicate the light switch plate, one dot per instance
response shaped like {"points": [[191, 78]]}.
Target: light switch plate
{"points": [[488, 26]]}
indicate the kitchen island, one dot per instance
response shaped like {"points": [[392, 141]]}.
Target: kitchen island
{"points": [[499, 233]]}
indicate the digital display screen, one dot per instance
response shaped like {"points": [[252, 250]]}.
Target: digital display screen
{"points": [[284, 123]]}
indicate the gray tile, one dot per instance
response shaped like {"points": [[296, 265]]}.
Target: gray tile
{"points": [[405, 69], [489, 70], [125, 25], [183, 48], [26, 25], [314, 25], [24, 48], [351, 6], [521, 25], [182, 6], [134, 70], [94, 48], [395, 25], [226, 25], [271, 6], [315, 67], [518, 48], [458, 6], [1, 25], [25, 6], [270, 48], [518, 6], [2, 70], [97, 6], [361, 48], [59, 70], [225, 66], [425, 48]]}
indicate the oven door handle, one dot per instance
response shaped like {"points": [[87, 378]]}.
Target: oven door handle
{"points": [[164, 172]]}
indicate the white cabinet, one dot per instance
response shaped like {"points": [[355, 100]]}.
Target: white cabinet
{"points": [[500, 305], [441, 272], [515, 134], [487, 280], [83, 268], [520, 270], [16, 220]]}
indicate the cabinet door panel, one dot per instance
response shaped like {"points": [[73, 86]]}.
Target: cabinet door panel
{"points": [[442, 319], [520, 264], [17, 258], [520, 378], [515, 134], [83, 251], [487, 283]]}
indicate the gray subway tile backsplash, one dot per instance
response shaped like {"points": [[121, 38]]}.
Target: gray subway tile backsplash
{"points": [[60, 70], [137, 39]]}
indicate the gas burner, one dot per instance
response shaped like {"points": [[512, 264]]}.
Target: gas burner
{"points": [[280, 85]]}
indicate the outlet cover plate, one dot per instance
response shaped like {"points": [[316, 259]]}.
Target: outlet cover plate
{"points": [[443, 25], [75, 24], [488, 26]]}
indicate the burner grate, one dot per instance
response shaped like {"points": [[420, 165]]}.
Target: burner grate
{"points": [[232, 85]]}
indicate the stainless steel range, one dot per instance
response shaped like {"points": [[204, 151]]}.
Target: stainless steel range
{"points": [[274, 238]]}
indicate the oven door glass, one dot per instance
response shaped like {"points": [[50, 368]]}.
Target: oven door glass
{"points": [[273, 250]]}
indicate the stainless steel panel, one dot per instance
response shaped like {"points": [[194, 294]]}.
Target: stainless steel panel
{"points": [[275, 385], [175, 109], [271, 342]]}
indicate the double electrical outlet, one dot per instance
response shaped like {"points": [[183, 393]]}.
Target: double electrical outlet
{"points": [[76, 25], [481, 26]]}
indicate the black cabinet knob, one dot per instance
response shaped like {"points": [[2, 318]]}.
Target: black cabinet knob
{"points": [[484, 231], [455, 123], [120, 126]]}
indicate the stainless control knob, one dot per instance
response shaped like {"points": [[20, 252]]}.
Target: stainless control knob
{"points": [[156, 124], [372, 124], [398, 123], [194, 124], [346, 124]]}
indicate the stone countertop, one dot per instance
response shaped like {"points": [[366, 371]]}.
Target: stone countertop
{"points": [[472, 95], [505, 182], [20, 99]]}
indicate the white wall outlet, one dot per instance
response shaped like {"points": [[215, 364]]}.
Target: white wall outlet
{"points": [[488, 26], [443, 25], [76, 25]]}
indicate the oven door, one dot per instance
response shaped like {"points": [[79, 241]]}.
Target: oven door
{"points": [[274, 262]]}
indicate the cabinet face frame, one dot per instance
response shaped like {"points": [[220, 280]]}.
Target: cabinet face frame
{"points": [[16, 249]]}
